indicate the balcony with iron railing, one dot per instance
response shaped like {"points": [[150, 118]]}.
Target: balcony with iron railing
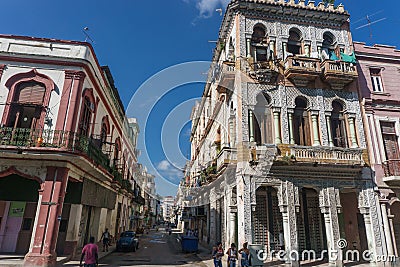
{"points": [[226, 156], [338, 73], [302, 70], [391, 170], [55, 141]]}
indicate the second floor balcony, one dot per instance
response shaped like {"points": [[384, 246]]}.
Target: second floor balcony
{"points": [[338, 73], [56, 141], [302, 70], [323, 155], [392, 172], [227, 78], [226, 156]]}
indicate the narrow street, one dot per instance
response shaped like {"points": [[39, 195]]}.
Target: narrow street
{"points": [[155, 249]]}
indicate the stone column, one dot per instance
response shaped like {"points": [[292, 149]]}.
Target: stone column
{"points": [[330, 206], [307, 50], [272, 50], [369, 207], [232, 225], [284, 53], [213, 221], [277, 125], [352, 129], [245, 207], [288, 196], [386, 227], [248, 48], [291, 133], [251, 126], [392, 236], [315, 127], [329, 128], [43, 248], [72, 238]]}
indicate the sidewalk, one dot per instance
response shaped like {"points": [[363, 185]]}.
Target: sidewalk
{"points": [[67, 261], [17, 260]]}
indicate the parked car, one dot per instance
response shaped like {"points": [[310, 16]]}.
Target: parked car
{"points": [[128, 241]]}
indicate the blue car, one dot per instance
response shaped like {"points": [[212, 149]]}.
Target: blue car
{"points": [[128, 241]]}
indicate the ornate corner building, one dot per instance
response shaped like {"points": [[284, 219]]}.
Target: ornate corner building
{"points": [[278, 143], [68, 161]]}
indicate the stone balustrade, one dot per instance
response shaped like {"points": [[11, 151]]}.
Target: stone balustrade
{"points": [[351, 156]]}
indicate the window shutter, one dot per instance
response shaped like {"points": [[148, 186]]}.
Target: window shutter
{"points": [[31, 93]]}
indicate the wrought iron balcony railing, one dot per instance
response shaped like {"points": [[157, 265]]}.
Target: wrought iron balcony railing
{"points": [[226, 156], [55, 139], [392, 167]]}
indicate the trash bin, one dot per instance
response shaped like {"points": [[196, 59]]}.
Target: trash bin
{"points": [[255, 255], [190, 244]]}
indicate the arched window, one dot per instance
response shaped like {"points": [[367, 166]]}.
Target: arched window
{"points": [[117, 150], [259, 34], [328, 45], [87, 110], [27, 105], [27, 100], [294, 42], [105, 130], [301, 127], [262, 121], [338, 124], [259, 42]]}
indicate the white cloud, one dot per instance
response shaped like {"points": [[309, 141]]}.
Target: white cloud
{"points": [[169, 171], [164, 165], [207, 7]]}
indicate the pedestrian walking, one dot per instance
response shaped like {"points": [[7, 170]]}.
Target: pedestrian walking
{"points": [[244, 253], [106, 239], [232, 255], [217, 254], [90, 254]]}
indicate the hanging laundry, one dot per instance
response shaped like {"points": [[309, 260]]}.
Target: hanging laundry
{"points": [[348, 58], [333, 56]]}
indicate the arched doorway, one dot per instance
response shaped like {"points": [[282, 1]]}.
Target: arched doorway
{"points": [[18, 204], [311, 227], [267, 219]]}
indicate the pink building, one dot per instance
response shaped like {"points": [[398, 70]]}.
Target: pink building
{"points": [[379, 70], [67, 151]]}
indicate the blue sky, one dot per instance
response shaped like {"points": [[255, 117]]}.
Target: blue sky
{"points": [[138, 39]]}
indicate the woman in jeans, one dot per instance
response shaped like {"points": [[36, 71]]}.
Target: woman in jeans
{"points": [[217, 254], [232, 255], [244, 252]]}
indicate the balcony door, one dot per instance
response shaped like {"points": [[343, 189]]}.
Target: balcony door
{"points": [[301, 123], [338, 125], [390, 140]]}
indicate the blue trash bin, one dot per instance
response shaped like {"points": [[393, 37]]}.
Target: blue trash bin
{"points": [[190, 244]]}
